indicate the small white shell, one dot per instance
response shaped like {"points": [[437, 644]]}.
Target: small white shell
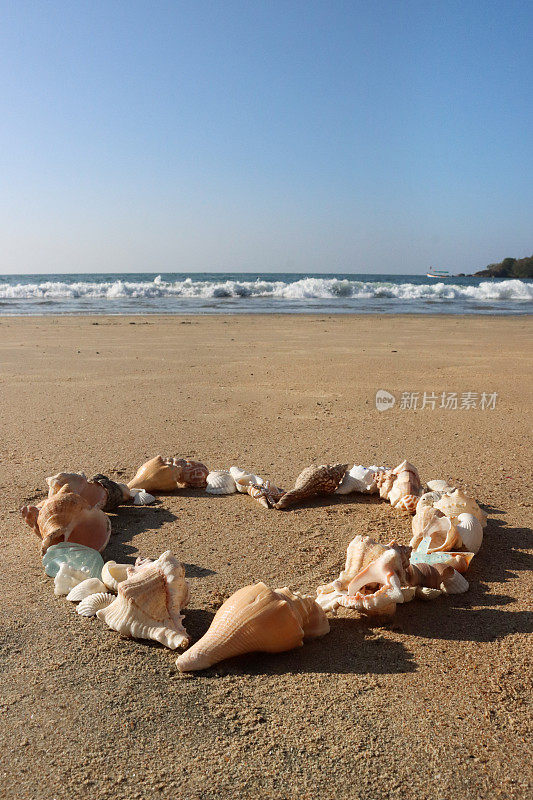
{"points": [[425, 593], [220, 482], [94, 602], [84, 589], [471, 532], [359, 479], [141, 497], [457, 584], [440, 486], [68, 577], [428, 499], [113, 574], [244, 479]]}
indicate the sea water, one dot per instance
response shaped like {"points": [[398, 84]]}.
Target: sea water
{"points": [[212, 293]]}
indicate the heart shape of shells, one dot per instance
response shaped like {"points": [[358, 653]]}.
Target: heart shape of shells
{"points": [[146, 600]]}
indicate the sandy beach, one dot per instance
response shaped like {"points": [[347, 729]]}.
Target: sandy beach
{"points": [[433, 704]]}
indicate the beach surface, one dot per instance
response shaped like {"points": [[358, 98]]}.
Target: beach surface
{"points": [[433, 704]]}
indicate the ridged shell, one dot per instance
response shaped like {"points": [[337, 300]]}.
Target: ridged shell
{"points": [[113, 574], [149, 603], [84, 589], [359, 479], [458, 502], [470, 530], [428, 575], [156, 475], [314, 480], [253, 619], [455, 584], [141, 497], [67, 517], [220, 482], [67, 578], [77, 555], [406, 484], [94, 603]]}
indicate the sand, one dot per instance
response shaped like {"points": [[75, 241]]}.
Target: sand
{"points": [[430, 705]]}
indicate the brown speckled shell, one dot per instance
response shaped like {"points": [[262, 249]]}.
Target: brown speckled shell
{"points": [[115, 496], [314, 480]]}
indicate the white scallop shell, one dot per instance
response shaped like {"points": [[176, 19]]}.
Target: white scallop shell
{"points": [[68, 577], [440, 486], [95, 602], [471, 532], [457, 584], [244, 479], [141, 497], [359, 479], [84, 589], [113, 574], [220, 482]]}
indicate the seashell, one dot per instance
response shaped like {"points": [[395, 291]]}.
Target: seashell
{"points": [[313, 480], [141, 497], [439, 532], [440, 486], [367, 564], [256, 619], [100, 491], [384, 483], [76, 555], [454, 584], [359, 479], [408, 503], [470, 530], [265, 493], [149, 603], [67, 578], [84, 589], [220, 482], [459, 561], [192, 473], [428, 500], [113, 574], [406, 483], [67, 517], [244, 479], [428, 575], [458, 502], [156, 475], [425, 593], [90, 605]]}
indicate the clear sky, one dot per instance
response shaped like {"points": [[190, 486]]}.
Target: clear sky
{"points": [[283, 135]]}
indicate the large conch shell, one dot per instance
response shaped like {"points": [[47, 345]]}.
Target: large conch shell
{"points": [[100, 491], [438, 531], [157, 475], [67, 517], [253, 619], [359, 479], [149, 603], [390, 574], [314, 480], [457, 502]]}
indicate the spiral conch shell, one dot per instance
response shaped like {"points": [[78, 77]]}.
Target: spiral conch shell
{"points": [[256, 619], [100, 491], [431, 525], [314, 480], [157, 475], [359, 479], [349, 589], [67, 517], [149, 603], [406, 488]]}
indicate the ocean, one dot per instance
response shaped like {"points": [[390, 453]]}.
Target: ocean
{"points": [[220, 293]]}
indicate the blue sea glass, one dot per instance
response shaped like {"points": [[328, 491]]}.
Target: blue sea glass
{"points": [[419, 557], [77, 555]]}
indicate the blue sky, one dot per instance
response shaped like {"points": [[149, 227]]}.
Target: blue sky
{"points": [[265, 136]]}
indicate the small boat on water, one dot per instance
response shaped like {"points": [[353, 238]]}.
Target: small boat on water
{"points": [[437, 273]]}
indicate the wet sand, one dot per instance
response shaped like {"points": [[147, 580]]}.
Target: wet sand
{"points": [[433, 704]]}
